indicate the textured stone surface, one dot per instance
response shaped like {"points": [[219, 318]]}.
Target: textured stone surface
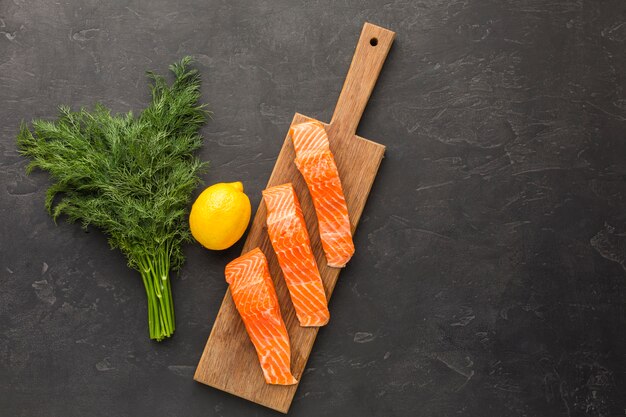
{"points": [[490, 273]]}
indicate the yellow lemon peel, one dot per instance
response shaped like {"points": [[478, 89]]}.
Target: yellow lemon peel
{"points": [[220, 215]]}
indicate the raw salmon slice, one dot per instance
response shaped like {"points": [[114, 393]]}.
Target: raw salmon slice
{"points": [[253, 292], [317, 165], [290, 239]]}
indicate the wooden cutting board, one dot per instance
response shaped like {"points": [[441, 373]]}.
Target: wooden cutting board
{"points": [[229, 361]]}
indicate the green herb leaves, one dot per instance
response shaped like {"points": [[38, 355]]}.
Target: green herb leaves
{"points": [[131, 177]]}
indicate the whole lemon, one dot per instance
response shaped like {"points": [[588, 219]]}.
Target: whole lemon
{"points": [[220, 215]]}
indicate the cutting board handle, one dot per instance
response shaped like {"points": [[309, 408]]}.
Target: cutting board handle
{"points": [[369, 57]]}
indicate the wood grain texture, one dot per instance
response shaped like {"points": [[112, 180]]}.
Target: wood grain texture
{"points": [[229, 361]]}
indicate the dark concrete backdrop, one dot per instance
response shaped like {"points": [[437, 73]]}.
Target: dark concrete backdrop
{"points": [[490, 273]]}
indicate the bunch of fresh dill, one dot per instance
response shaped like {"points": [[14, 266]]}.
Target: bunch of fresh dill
{"points": [[131, 177]]}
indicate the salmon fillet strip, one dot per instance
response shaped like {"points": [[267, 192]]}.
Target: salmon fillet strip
{"points": [[253, 292], [317, 165], [290, 240]]}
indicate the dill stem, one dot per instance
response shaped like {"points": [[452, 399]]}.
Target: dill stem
{"points": [[155, 275], [150, 310]]}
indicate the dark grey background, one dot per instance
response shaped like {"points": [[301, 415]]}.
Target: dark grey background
{"points": [[490, 273]]}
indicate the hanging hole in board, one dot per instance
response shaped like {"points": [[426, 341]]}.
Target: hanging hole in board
{"points": [[374, 41]]}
